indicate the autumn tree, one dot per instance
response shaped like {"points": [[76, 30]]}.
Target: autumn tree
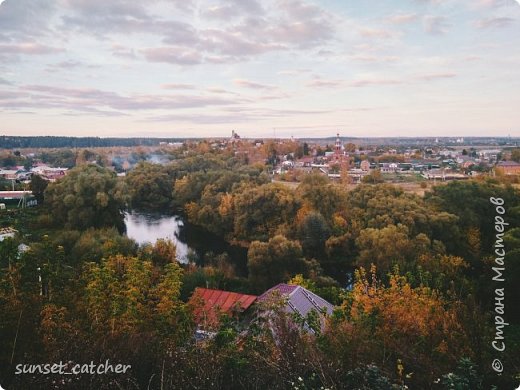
{"points": [[321, 195], [415, 325], [391, 246]]}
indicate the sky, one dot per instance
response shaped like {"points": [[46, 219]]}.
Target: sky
{"points": [[265, 68]]}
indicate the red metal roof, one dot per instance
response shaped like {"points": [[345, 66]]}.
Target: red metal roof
{"points": [[209, 303]]}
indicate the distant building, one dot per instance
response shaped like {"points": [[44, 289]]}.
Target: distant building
{"points": [[17, 197], [509, 167], [489, 154], [234, 137], [48, 173], [8, 174], [365, 165], [7, 233]]}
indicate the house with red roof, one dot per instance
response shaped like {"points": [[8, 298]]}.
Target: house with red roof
{"points": [[208, 306]]}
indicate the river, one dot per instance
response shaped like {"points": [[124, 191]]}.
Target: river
{"points": [[191, 241]]}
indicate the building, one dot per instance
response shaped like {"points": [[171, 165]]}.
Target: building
{"points": [[7, 233], [299, 301], [210, 304], [48, 173], [509, 167], [9, 174], [25, 198], [365, 165]]}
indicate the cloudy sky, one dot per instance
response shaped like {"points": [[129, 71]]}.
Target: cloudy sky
{"points": [[262, 67]]}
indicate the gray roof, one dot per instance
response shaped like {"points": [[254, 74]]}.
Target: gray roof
{"points": [[299, 300]]}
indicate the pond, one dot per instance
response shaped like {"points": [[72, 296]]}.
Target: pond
{"points": [[191, 241]]}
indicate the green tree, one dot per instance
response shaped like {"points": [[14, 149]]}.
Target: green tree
{"points": [[275, 261], [321, 195], [262, 211], [38, 186], [150, 186], [391, 246], [88, 196], [373, 177], [313, 233], [515, 155]]}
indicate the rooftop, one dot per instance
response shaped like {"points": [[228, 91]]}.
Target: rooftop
{"points": [[214, 302]]}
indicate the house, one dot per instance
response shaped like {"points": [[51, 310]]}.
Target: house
{"points": [[365, 165], [210, 304], [7, 233], [299, 301], [48, 173], [388, 167], [18, 197], [489, 154], [8, 174], [305, 161], [509, 167]]}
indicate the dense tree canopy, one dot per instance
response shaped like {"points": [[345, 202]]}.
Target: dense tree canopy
{"points": [[88, 196], [275, 261], [150, 186]]}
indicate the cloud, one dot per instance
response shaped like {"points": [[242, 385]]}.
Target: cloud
{"points": [[321, 83], [178, 86], [497, 3], [236, 43], [377, 33], [173, 55], [97, 101], [252, 85], [436, 25], [366, 82], [235, 115], [436, 76], [221, 91], [491, 23], [373, 58], [25, 19], [233, 8], [123, 51], [28, 48], [402, 18]]}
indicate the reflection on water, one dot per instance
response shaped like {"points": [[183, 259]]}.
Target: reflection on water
{"points": [[148, 227]]}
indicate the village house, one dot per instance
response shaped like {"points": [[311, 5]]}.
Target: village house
{"points": [[365, 165], [509, 167], [210, 304], [7, 233], [299, 301]]}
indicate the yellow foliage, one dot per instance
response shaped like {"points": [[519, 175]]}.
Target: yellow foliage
{"points": [[226, 205], [404, 312]]}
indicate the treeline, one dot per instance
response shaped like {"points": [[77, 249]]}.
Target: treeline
{"points": [[419, 313], [14, 142]]}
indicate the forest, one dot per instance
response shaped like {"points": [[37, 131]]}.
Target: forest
{"points": [[18, 142], [419, 314]]}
